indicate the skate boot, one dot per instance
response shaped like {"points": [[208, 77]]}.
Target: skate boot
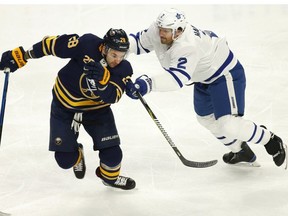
{"points": [[80, 168], [121, 182], [277, 149], [245, 155]]}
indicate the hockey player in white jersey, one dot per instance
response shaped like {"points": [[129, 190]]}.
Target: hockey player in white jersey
{"points": [[188, 54]]}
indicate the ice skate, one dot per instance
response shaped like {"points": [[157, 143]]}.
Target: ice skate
{"points": [[122, 182], [244, 157], [80, 168], [277, 149]]}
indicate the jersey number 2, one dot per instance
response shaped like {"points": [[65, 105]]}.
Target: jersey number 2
{"points": [[182, 61]]}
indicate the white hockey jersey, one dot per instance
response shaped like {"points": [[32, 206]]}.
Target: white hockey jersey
{"points": [[195, 56]]}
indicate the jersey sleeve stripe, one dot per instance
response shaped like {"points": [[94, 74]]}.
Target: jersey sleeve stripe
{"points": [[222, 67]]}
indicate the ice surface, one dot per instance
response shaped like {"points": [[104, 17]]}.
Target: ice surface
{"points": [[31, 183]]}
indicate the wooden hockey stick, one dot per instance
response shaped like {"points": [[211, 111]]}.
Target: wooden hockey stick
{"points": [[186, 162]]}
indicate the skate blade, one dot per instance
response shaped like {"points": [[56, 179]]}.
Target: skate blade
{"points": [[247, 164], [285, 162]]}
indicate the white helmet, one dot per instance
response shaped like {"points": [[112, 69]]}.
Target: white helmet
{"points": [[172, 19]]}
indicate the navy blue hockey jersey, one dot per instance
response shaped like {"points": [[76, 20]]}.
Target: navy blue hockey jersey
{"points": [[72, 88]]}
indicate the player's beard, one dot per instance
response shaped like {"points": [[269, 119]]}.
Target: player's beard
{"points": [[165, 41]]}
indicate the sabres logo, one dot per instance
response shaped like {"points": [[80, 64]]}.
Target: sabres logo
{"points": [[58, 141], [88, 87]]}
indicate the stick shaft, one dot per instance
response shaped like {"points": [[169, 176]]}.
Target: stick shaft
{"points": [[186, 162], [4, 95]]}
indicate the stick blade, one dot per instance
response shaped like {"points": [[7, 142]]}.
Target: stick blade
{"points": [[196, 164]]}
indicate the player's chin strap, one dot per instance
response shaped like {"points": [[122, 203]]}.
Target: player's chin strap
{"points": [[76, 122]]}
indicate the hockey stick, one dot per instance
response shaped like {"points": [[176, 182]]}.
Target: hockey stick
{"points": [[186, 162], [4, 94]]}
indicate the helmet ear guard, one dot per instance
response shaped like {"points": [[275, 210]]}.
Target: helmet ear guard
{"points": [[117, 39]]}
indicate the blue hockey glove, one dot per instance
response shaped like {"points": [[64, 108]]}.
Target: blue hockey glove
{"points": [[142, 84], [94, 70], [13, 59]]}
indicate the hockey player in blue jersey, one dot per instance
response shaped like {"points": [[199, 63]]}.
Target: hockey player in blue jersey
{"points": [[93, 79], [188, 54]]}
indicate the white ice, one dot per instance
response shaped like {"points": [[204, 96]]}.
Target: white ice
{"points": [[31, 183]]}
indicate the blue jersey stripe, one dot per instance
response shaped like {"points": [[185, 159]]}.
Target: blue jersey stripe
{"points": [[137, 39], [172, 72], [180, 71], [223, 66]]}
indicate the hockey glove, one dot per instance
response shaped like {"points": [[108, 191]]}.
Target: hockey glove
{"points": [[94, 70], [142, 84], [13, 59]]}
